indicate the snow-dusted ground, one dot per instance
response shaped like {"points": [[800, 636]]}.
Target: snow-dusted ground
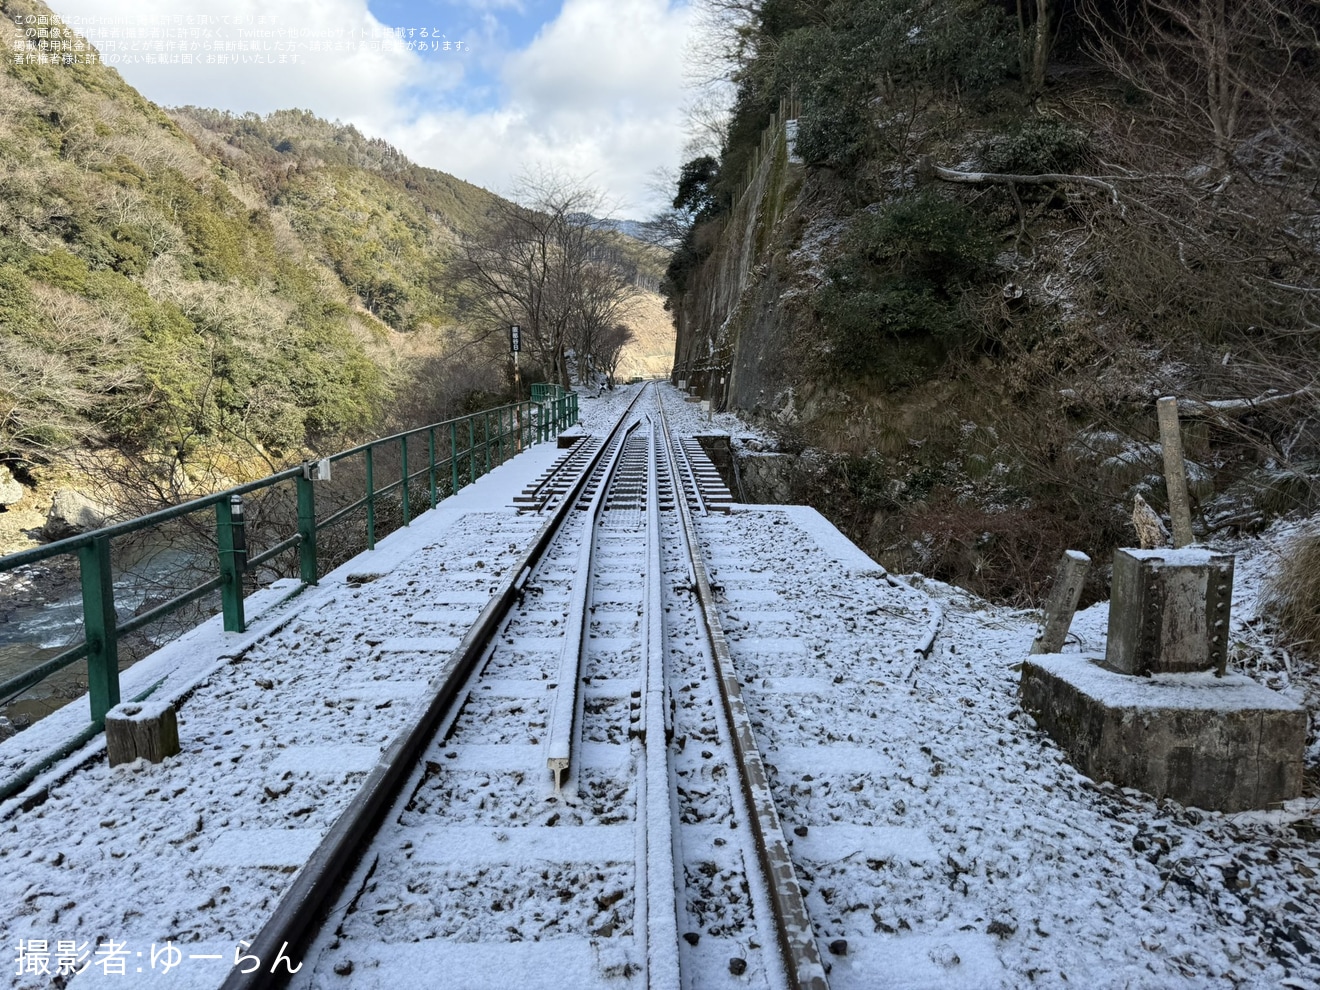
{"points": [[935, 829], [1072, 883]]}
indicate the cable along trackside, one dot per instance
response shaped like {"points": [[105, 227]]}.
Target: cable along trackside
{"points": [[564, 711]]}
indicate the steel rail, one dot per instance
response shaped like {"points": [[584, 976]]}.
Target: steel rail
{"points": [[689, 471], [540, 494], [293, 925], [657, 897], [680, 464], [795, 936], [563, 713]]}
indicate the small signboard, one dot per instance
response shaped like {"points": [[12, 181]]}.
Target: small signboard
{"points": [[515, 338]]}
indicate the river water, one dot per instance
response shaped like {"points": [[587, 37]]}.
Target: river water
{"points": [[41, 614]]}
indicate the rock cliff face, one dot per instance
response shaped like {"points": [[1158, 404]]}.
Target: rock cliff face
{"points": [[928, 476], [735, 327]]}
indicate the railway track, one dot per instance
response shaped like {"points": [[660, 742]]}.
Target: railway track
{"points": [[935, 844], [583, 804]]}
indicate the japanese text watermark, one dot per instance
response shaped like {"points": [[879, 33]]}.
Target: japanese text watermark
{"points": [[69, 957], [206, 39]]}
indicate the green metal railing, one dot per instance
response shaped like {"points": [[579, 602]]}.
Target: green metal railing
{"points": [[547, 392], [425, 470]]}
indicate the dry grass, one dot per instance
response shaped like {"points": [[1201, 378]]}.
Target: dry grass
{"points": [[1293, 596]]}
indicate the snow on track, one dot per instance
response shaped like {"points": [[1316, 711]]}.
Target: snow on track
{"points": [[935, 830], [941, 835]]}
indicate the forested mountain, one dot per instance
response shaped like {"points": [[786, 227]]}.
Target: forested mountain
{"points": [[208, 287], [154, 291], [959, 247], [382, 224]]}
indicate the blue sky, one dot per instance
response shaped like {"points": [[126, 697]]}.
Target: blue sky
{"points": [[492, 31], [593, 88]]}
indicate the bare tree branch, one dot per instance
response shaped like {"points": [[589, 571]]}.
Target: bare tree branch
{"points": [[1218, 408], [1045, 179]]}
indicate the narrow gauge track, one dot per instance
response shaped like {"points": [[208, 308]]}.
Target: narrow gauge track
{"points": [[588, 808]]}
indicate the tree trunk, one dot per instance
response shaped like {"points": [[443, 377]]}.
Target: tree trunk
{"points": [[1041, 54]]}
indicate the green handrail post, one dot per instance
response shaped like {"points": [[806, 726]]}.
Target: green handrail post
{"points": [[499, 434], [99, 621], [453, 457], [371, 501], [306, 528], [472, 447], [231, 538], [403, 476], [430, 453], [485, 436]]}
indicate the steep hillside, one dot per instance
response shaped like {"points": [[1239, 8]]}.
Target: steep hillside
{"points": [[202, 287], [144, 302], [983, 267], [650, 352], [382, 224]]}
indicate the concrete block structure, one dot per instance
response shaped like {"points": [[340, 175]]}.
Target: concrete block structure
{"points": [[1159, 713], [1169, 611], [1220, 743]]}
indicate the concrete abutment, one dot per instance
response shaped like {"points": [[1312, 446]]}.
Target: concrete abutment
{"points": [[1158, 713]]}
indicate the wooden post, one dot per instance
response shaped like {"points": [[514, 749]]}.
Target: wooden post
{"points": [[1175, 471], [146, 730], [1063, 602]]}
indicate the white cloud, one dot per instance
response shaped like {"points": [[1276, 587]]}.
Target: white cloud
{"points": [[356, 83], [597, 93]]}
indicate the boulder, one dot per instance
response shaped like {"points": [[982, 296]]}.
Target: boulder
{"points": [[71, 513], [10, 490]]}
